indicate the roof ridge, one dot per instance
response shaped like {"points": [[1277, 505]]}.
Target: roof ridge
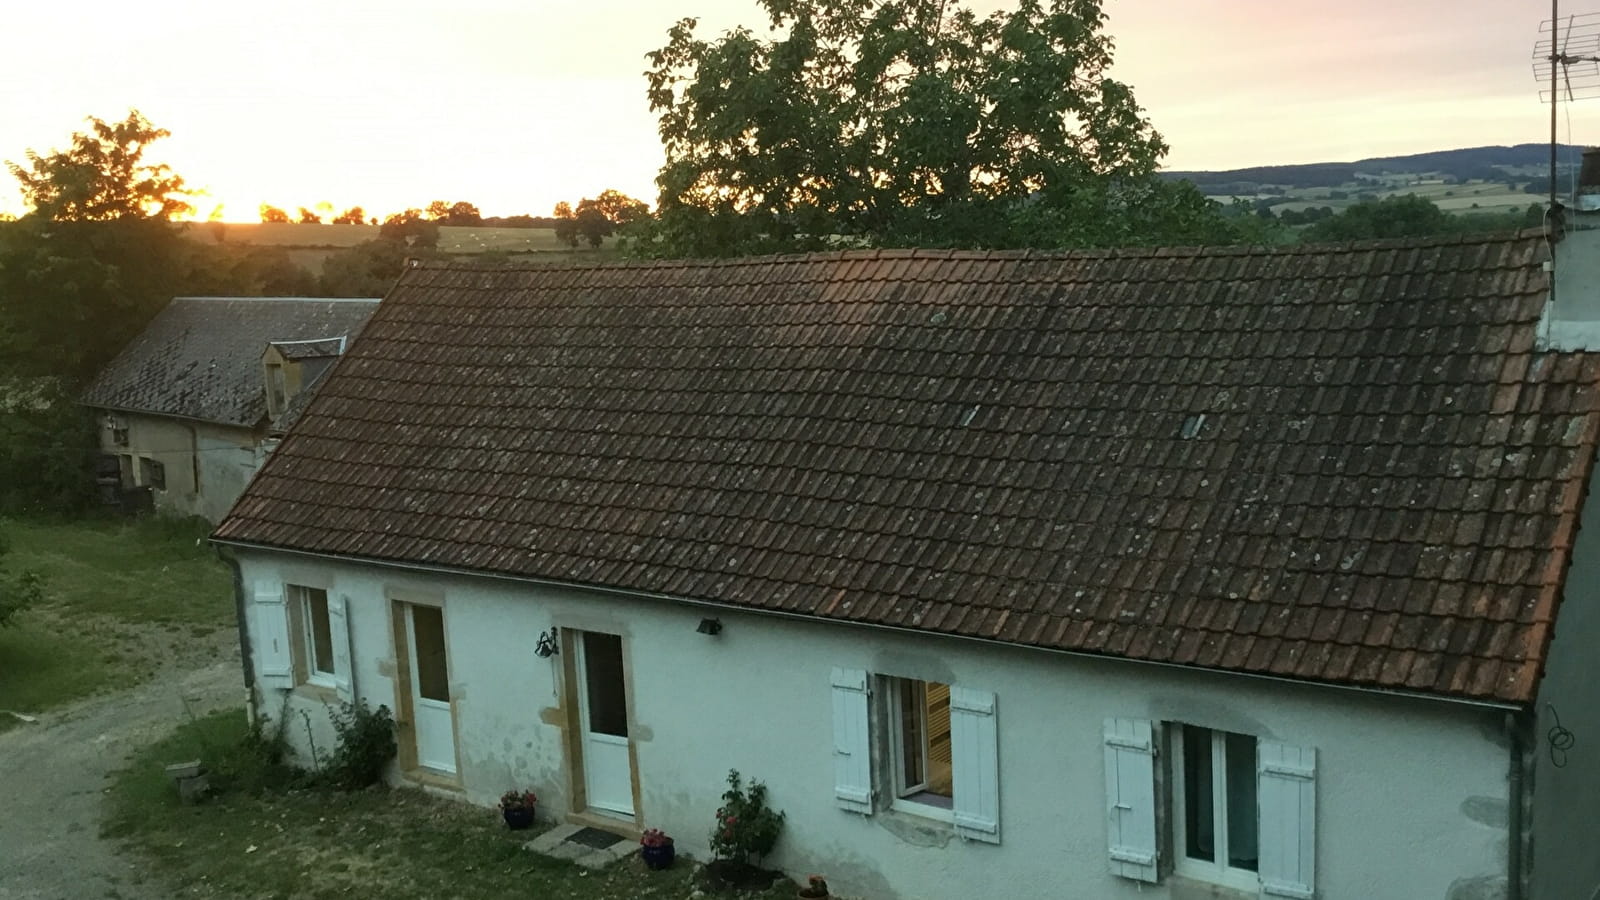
{"points": [[881, 254]]}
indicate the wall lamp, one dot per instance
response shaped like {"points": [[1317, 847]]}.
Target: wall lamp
{"points": [[710, 626], [546, 646]]}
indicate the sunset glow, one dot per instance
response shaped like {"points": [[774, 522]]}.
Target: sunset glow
{"points": [[514, 105]]}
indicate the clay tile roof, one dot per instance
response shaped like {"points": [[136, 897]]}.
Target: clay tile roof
{"points": [[1340, 464], [200, 357]]}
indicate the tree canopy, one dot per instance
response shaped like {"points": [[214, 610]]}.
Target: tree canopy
{"points": [[102, 176], [915, 122], [597, 218]]}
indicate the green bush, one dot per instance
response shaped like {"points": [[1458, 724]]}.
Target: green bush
{"points": [[17, 592], [746, 827], [366, 744]]}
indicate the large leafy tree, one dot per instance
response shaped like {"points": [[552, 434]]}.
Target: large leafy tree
{"points": [[907, 122], [103, 175]]}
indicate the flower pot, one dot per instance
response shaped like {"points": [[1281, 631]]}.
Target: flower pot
{"points": [[518, 818], [659, 857]]}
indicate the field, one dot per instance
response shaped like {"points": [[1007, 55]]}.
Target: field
{"points": [[122, 599], [1469, 197], [452, 239]]}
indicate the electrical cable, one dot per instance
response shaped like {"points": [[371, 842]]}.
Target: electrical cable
{"points": [[1560, 739]]}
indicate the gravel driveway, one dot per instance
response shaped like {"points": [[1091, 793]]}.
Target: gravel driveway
{"points": [[53, 777]]}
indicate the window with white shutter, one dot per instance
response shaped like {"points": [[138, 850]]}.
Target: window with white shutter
{"points": [[852, 744], [270, 636], [975, 755], [1131, 798], [1287, 796]]}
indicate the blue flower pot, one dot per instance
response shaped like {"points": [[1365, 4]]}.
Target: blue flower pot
{"points": [[518, 819], [657, 857]]}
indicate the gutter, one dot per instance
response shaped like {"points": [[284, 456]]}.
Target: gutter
{"points": [[240, 612], [1514, 825], [779, 614]]}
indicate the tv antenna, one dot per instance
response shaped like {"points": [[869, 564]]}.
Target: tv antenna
{"points": [[1566, 61]]}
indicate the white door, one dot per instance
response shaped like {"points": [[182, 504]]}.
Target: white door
{"points": [[430, 689], [603, 707]]}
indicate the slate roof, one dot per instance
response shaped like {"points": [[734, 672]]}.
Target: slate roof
{"points": [[200, 357], [1340, 464]]}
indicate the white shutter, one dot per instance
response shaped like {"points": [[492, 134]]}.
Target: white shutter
{"points": [[852, 747], [275, 668], [1131, 798], [1286, 793], [339, 634], [975, 764]]}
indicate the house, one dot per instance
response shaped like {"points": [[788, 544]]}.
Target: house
{"points": [[1175, 573], [191, 406]]}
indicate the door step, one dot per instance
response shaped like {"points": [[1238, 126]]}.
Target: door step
{"points": [[590, 847]]}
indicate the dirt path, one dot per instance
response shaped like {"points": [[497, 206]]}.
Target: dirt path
{"points": [[53, 777]]}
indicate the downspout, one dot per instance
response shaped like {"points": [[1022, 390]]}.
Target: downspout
{"points": [[225, 553], [1514, 812]]}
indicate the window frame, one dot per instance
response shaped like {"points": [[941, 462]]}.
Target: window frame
{"points": [[306, 639], [1215, 871], [152, 473], [899, 791]]}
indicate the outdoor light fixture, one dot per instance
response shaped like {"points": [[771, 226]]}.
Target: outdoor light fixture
{"points": [[546, 646], [710, 626]]}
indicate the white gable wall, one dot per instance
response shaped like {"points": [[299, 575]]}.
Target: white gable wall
{"points": [[1410, 794]]}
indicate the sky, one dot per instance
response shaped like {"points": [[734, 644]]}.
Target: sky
{"points": [[516, 104]]}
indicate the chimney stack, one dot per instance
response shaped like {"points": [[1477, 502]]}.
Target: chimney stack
{"points": [[1571, 319]]}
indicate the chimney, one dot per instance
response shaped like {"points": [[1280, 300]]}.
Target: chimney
{"points": [[1571, 319]]}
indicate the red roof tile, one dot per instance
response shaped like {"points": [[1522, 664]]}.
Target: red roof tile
{"points": [[1340, 464]]}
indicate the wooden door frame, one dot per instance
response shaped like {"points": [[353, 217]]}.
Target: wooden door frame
{"points": [[572, 682], [405, 712]]}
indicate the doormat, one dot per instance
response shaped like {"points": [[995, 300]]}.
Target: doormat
{"points": [[594, 837]]}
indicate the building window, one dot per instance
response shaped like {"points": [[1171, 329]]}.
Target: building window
{"points": [[316, 634], [277, 390], [152, 473], [920, 718], [1215, 813]]}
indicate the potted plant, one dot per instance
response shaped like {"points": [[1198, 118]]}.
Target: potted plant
{"points": [[816, 886], [517, 808], [655, 848]]}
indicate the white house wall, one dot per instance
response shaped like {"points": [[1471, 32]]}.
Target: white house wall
{"points": [[1411, 794], [1566, 796], [207, 465]]}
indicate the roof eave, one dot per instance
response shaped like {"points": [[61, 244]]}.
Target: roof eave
{"points": [[1482, 703]]}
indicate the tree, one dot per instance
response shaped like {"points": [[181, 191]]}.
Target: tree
{"points": [[597, 218], [273, 215], [409, 227], [899, 121], [355, 215], [103, 176], [307, 217], [459, 213]]}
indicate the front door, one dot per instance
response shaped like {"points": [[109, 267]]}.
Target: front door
{"points": [[430, 689], [603, 710]]}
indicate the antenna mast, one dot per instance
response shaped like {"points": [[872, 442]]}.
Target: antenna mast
{"points": [[1572, 53]]}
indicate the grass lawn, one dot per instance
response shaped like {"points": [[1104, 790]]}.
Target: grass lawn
{"points": [[122, 599], [260, 837]]}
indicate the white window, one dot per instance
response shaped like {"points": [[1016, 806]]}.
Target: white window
{"points": [[316, 634], [938, 743], [1217, 834], [920, 719], [319, 651]]}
